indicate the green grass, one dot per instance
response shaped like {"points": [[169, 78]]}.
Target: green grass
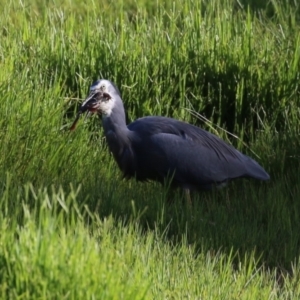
{"points": [[59, 249], [71, 227]]}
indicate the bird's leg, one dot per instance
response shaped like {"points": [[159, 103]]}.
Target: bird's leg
{"points": [[171, 197], [188, 196]]}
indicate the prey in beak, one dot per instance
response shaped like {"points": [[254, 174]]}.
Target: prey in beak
{"points": [[90, 105]]}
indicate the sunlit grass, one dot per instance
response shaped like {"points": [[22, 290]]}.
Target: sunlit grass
{"points": [[55, 251]]}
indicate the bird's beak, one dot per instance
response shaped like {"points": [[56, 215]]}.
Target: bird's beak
{"points": [[90, 105]]}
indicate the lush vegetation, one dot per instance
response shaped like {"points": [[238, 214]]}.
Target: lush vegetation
{"points": [[70, 226]]}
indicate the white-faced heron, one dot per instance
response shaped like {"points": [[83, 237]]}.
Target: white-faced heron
{"points": [[156, 148]]}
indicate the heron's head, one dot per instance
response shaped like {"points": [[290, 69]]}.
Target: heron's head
{"points": [[102, 99]]}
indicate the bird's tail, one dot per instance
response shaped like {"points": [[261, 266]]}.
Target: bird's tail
{"points": [[256, 171]]}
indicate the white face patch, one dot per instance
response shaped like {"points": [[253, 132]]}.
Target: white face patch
{"points": [[105, 86], [106, 107]]}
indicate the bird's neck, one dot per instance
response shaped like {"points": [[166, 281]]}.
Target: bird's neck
{"points": [[117, 135], [115, 121], [118, 138]]}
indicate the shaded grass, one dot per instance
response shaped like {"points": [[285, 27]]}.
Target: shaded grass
{"points": [[118, 239]]}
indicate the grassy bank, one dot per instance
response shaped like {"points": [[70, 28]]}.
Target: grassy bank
{"points": [[71, 226]]}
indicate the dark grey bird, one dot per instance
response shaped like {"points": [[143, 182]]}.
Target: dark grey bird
{"points": [[156, 148]]}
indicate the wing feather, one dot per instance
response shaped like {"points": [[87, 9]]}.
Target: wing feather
{"points": [[197, 156], [148, 126]]}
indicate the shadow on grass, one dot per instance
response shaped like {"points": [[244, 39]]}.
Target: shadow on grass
{"points": [[244, 217], [270, 8]]}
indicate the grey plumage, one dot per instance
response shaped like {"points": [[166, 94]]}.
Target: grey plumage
{"points": [[153, 148]]}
